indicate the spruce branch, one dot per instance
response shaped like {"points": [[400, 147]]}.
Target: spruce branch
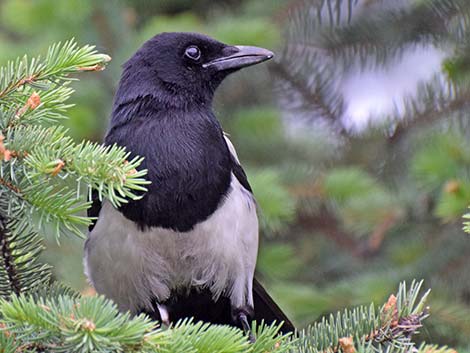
{"points": [[7, 256], [104, 168], [432, 348], [314, 93], [20, 247], [8, 344], [307, 77], [393, 325], [61, 61], [436, 100], [91, 324], [51, 103], [323, 44], [45, 203], [381, 33], [42, 168]]}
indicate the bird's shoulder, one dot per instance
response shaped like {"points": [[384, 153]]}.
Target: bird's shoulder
{"points": [[237, 169]]}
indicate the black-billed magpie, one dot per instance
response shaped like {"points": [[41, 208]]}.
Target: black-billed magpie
{"points": [[188, 248]]}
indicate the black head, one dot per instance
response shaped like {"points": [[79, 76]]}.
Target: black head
{"points": [[185, 65]]}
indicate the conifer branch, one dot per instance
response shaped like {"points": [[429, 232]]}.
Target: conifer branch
{"points": [[68, 323], [393, 325], [39, 165], [92, 324], [20, 247], [43, 107], [329, 45], [312, 96], [383, 32], [436, 100], [7, 257], [61, 60], [10, 186]]}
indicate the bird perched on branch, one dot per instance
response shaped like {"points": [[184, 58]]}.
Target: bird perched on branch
{"points": [[188, 248]]}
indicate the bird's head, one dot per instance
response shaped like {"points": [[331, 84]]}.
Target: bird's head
{"points": [[185, 65]]}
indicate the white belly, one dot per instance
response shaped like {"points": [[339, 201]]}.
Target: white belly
{"points": [[132, 266]]}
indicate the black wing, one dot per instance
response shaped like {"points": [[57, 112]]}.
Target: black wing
{"points": [[95, 209], [266, 309], [200, 305], [239, 173]]}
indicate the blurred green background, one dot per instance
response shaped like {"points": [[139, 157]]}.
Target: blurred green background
{"points": [[345, 213]]}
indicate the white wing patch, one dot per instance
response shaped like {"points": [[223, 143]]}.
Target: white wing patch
{"points": [[231, 147]]}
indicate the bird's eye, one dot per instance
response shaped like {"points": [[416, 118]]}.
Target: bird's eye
{"points": [[193, 52]]}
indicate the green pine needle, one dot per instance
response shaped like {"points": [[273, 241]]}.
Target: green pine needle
{"points": [[42, 170]]}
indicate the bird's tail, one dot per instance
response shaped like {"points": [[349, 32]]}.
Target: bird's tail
{"points": [[266, 309]]}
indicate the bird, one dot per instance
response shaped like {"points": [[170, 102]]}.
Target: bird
{"points": [[188, 246]]}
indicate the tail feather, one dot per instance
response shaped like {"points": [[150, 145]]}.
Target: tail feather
{"points": [[200, 305], [266, 309]]}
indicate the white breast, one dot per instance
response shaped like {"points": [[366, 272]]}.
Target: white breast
{"points": [[132, 267]]}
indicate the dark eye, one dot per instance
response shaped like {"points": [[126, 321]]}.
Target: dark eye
{"points": [[193, 52]]}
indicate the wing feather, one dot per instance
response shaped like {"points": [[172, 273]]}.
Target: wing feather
{"points": [[237, 169], [266, 309], [94, 210]]}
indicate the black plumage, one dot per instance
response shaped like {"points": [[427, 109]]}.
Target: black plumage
{"points": [[163, 112], [200, 305]]}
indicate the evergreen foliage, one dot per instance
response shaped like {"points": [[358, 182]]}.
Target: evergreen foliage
{"points": [[365, 210]]}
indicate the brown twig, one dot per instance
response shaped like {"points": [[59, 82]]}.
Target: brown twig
{"points": [[326, 223], [378, 235], [32, 103], [405, 326], [5, 154], [18, 84], [10, 186]]}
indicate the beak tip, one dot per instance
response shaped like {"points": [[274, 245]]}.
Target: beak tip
{"points": [[268, 54], [256, 51]]}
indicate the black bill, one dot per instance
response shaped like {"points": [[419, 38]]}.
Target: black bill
{"points": [[245, 56]]}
